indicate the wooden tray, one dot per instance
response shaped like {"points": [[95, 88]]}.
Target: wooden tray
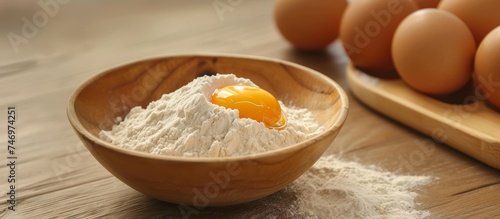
{"points": [[471, 128]]}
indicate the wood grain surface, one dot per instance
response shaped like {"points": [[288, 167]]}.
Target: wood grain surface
{"points": [[58, 178]]}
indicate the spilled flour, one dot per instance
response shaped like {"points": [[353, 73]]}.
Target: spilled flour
{"points": [[186, 123], [333, 188]]}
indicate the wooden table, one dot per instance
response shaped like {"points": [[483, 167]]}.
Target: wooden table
{"points": [[57, 177]]}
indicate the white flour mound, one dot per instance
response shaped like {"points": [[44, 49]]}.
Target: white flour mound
{"points": [[333, 188], [186, 123]]}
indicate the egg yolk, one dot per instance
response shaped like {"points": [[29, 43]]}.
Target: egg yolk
{"points": [[251, 102]]}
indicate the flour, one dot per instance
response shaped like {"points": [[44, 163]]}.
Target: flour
{"points": [[333, 188], [186, 123]]}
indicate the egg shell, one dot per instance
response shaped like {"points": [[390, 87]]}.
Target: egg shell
{"points": [[481, 16], [433, 51], [427, 3], [309, 24], [487, 67], [367, 29]]}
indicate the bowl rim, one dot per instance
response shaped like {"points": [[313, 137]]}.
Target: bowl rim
{"points": [[342, 114]]}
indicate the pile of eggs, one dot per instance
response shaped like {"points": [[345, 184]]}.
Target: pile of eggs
{"points": [[435, 46]]}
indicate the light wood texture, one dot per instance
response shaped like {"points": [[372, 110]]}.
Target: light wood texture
{"points": [[471, 127], [207, 181], [59, 178]]}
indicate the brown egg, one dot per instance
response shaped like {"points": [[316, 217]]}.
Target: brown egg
{"points": [[487, 67], [367, 29], [427, 3], [433, 51], [480, 15], [309, 24]]}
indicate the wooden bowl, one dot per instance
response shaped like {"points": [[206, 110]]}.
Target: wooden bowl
{"points": [[204, 181]]}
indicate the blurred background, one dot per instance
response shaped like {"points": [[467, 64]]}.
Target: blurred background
{"points": [[145, 26]]}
